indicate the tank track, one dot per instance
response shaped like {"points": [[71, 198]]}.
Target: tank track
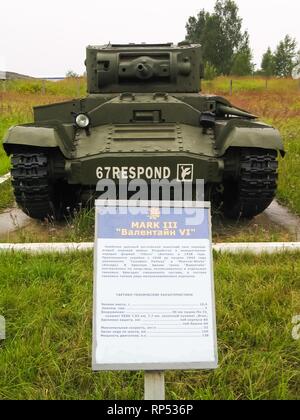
{"points": [[256, 185], [33, 191]]}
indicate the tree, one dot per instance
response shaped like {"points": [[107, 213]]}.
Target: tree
{"points": [[242, 64], [220, 34], [196, 27], [285, 57], [297, 58], [71, 74], [210, 72], [268, 63]]}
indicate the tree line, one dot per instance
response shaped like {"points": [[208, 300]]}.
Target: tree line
{"points": [[226, 46]]}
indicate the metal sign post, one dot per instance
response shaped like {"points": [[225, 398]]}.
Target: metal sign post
{"points": [[154, 386]]}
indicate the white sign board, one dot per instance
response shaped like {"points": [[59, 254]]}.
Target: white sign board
{"points": [[154, 305]]}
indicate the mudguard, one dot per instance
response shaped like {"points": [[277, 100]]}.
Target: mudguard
{"points": [[248, 134], [39, 137]]}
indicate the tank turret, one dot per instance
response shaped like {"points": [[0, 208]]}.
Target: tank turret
{"points": [[144, 68]]}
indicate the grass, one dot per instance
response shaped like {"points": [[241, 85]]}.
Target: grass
{"points": [[72, 87], [6, 196], [17, 98], [75, 228], [5, 123], [289, 180], [249, 84], [47, 301], [81, 229]]}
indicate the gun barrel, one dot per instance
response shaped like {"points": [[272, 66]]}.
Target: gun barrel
{"points": [[223, 109], [141, 68], [144, 71]]}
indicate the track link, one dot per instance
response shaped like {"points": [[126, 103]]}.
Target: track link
{"points": [[33, 190], [256, 186]]}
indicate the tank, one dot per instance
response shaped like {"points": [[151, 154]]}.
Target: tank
{"points": [[144, 117]]}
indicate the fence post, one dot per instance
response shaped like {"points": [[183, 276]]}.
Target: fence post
{"points": [[44, 87], [231, 87], [78, 87]]}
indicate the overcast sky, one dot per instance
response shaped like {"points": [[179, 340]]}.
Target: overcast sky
{"points": [[46, 38]]}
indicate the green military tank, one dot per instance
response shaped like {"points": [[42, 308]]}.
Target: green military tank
{"points": [[143, 118]]}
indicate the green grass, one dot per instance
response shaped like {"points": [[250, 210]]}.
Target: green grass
{"points": [[18, 97], [289, 179], [6, 196], [47, 301], [12, 117], [80, 228], [5, 124], [248, 84], [72, 87]]}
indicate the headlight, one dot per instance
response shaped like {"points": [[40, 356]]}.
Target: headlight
{"points": [[82, 121]]}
